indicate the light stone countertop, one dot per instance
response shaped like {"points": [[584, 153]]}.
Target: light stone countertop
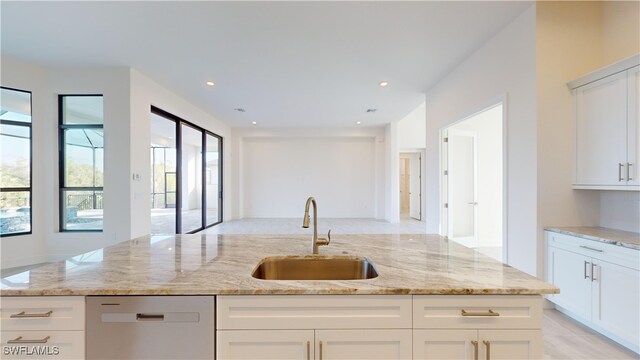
{"points": [[605, 235], [222, 264]]}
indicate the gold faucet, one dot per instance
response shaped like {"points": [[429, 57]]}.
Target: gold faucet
{"points": [[315, 241]]}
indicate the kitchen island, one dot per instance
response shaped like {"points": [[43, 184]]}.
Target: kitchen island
{"points": [[431, 298]]}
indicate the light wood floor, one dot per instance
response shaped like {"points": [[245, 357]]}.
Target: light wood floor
{"points": [[565, 338]]}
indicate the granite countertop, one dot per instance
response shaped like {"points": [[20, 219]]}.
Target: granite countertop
{"points": [[605, 235], [222, 264]]}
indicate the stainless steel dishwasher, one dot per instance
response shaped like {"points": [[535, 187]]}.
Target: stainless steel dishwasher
{"points": [[150, 327]]}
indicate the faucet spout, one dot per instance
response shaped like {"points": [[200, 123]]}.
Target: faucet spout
{"points": [[315, 242]]}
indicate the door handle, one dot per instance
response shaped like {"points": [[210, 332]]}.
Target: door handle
{"points": [[488, 345], [585, 269], [20, 340], [150, 317], [475, 349], [593, 274], [489, 312], [320, 351], [308, 350], [23, 314], [620, 178], [629, 178]]}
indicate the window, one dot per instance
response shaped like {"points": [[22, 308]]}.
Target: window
{"points": [[81, 169], [15, 166]]}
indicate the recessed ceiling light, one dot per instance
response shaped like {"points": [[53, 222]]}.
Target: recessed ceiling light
{"points": [[384, 83], [372, 110], [254, 123], [210, 83], [358, 122], [239, 109]]}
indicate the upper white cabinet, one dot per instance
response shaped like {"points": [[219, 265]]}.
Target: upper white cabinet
{"points": [[607, 137]]}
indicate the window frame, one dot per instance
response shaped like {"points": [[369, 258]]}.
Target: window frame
{"points": [[62, 127], [28, 125]]}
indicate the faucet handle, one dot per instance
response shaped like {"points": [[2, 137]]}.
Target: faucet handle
{"points": [[323, 241]]}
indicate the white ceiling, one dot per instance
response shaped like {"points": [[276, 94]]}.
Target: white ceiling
{"points": [[289, 64]]}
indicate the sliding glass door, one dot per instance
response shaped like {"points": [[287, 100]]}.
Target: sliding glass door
{"points": [[213, 179], [191, 178], [186, 191], [163, 175]]}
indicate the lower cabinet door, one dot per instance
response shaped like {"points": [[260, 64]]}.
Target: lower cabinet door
{"points": [[265, 344], [616, 295], [363, 344], [445, 344], [510, 344], [571, 272]]}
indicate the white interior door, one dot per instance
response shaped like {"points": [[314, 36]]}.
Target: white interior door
{"points": [[415, 191], [462, 187]]}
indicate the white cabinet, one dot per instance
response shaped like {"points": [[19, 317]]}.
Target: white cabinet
{"points": [[607, 130], [314, 327], [599, 285], [477, 344], [473, 327], [570, 271], [52, 327]]}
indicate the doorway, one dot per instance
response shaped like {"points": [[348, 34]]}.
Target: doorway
{"points": [[473, 181], [411, 185]]}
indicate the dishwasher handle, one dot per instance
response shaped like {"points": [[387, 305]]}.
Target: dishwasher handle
{"points": [[149, 317]]}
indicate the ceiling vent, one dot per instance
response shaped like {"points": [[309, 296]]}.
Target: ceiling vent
{"points": [[239, 110], [372, 110]]}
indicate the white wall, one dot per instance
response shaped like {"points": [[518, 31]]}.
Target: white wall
{"points": [[487, 126], [620, 210], [504, 66], [568, 41], [620, 39], [144, 93], [620, 30], [279, 168], [411, 129], [29, 249]]}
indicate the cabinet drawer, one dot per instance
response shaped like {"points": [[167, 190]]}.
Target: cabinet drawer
{"points": [[598, 250], [30, 313], [313, 312], [58, 345], [507, 312]]}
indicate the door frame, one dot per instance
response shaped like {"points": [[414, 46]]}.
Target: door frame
{"points": [[443, 226], [422, 154]]}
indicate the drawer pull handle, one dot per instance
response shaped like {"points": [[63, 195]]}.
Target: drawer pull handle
{"points": [[475, 349], [150, 317], [23, 314], [620, 178], [590, 248], [488, 345], [490, 312], [19, 340]]}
